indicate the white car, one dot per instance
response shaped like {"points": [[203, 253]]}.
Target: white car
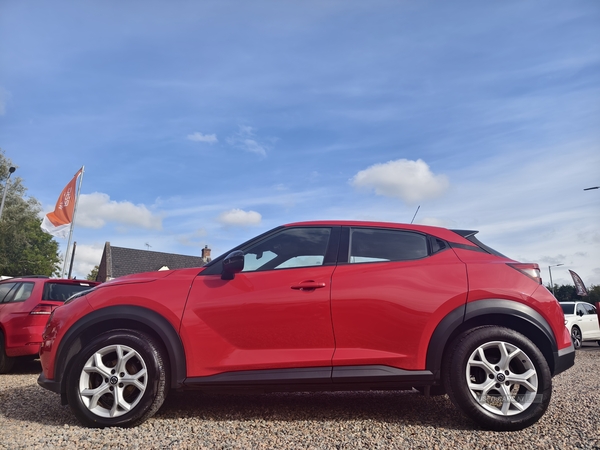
{"points": [[581, 319]]}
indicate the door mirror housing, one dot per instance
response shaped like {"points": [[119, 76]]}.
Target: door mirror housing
{"points": [[232, 264]]}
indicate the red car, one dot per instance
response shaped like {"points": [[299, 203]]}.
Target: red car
{"points": [[25, 304], [317, 306]]}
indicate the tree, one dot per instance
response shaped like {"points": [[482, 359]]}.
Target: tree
{"points": [[93, 274], [24, 248]]}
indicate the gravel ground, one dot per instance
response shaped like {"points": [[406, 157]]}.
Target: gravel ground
{"points": [[31, 417]]}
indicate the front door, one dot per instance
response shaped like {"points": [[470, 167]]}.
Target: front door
{"points": [[275, 314]]}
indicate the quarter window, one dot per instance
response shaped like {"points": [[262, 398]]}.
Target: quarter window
{"points": [[294, 247], [23, 292], [373, 245]]}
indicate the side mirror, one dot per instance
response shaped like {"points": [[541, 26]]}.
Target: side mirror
{"points": [[232, 264]]}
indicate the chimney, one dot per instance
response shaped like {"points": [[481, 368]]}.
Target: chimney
{"points": [[206, 254]]}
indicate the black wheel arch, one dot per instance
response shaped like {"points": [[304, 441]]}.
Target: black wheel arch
{"points": [[121, 317], [507, 313]]}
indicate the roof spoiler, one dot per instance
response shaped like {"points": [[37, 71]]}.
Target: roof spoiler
{"points": [[465, 233]]}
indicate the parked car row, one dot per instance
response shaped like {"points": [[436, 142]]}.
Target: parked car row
{"points": [[317, 306]]}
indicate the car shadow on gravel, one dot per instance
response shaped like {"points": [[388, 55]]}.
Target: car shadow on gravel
{"points": [[404, 407], [31, 403]]}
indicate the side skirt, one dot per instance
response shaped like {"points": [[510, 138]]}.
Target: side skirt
{"points": [[347, 378]]}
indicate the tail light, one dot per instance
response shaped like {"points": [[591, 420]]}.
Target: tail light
{"points": [[529, 269], [42, 309]]}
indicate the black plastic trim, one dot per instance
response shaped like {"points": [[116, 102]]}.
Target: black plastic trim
{"points": [[366, 374], [472, 248], [315, 378], [564, 359], [169, 337]]}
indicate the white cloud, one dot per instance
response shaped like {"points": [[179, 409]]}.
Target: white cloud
{"points": [[411, 181], [86, 258], [199, 137], [96, 209], [245, 139], [238, 217]]}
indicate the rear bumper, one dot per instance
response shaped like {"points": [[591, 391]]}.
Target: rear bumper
{"points": [[564, 359], [51, 385]]}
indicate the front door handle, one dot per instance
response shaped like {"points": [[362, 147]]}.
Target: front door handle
{"points": [[309, 285]]}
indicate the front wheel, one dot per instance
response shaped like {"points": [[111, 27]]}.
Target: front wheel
{"points": [[498, 377], [119, 379]]}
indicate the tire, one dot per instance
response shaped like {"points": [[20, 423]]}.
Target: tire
{"points": [[498, 378], [6, 362], [576, 337], [125, 362]]}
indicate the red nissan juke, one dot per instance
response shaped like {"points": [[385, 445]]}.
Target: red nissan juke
{"points": [[317, 306]]}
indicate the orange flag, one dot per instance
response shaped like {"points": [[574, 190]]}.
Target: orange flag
{"points": [[57, 222]]}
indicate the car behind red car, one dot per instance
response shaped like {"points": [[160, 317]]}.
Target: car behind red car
{"points": [[25, 304], [317, 306]]}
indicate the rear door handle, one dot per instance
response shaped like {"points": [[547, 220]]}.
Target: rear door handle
{"points": [[309, 285]]}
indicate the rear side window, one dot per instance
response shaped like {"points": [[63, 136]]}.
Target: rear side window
{"points": [[568, 308], [59, 292], [373, 245]]}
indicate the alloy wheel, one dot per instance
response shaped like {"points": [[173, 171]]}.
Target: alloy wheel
{"points": [[113, 381], [576, 337], [502, 378]]}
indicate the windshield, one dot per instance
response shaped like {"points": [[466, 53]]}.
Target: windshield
{"points": [[568, 308]]}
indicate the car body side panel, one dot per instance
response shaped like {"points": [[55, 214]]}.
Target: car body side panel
{"points": [[490, 277], [386, 312]]}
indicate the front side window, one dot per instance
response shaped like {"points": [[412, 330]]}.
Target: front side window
{"points": [[373, 245], [294, 247]]}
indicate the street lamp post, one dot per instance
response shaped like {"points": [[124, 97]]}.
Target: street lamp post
{"points": [[550, 270], [10, 172]]}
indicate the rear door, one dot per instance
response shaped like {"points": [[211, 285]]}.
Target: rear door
{"points": [[390, 290]]}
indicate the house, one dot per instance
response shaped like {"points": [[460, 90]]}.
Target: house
{"points": [[120, 261]]}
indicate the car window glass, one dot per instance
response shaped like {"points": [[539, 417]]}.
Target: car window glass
{"points": [[294, 247], [372, 245], [580, 309], [568, 308], [23, 292], [5, 291], [60, 292], [590, 309]]}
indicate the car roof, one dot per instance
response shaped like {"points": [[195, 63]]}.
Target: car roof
{"points": [[44, 279]]}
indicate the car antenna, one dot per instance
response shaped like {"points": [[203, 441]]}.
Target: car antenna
{"points": [[413, 219]]}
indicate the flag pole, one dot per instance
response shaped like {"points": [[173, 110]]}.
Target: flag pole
{"points": [[62, 275]]}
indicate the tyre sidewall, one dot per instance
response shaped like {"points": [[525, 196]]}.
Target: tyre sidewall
{"points": [[455, 379], [146, 348]]}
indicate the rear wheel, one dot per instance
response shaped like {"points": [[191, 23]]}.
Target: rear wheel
{"points": [[576, 337], [498, 377], [119, 379], [6, 362]]}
